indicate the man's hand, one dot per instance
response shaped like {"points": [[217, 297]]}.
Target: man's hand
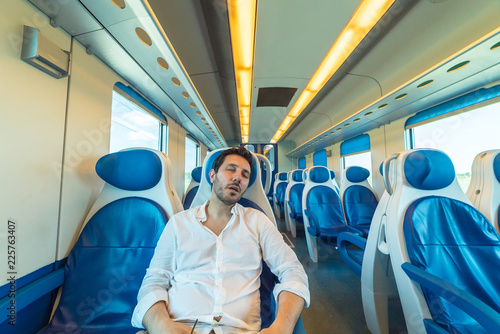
{"points": [[157, 321]]}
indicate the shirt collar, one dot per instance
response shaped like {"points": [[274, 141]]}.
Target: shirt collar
{"points": [[201, 214]]}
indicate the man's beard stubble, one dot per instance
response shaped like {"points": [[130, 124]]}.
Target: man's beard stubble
{"points": [[219, 192]]}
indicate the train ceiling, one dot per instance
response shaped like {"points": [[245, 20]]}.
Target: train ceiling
{"points": [[291, 39]]}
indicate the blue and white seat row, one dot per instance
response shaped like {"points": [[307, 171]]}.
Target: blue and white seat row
{"points": [[432, 248]]}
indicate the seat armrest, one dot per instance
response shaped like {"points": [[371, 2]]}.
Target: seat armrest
{"points": [[354, 231], [313, 228], [350, 238], [345, 239], [36, 289], [477, 309]]}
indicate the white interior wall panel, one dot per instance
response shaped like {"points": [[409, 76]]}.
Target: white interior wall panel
{"points": [[32, 134], [87, 140]]}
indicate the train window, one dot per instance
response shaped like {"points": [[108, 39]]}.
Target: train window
{"points": [[192, 159], [133, 125], [461, 136], [356, 152], [361, 159]]}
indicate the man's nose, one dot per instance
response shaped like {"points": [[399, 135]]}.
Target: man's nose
{"points": [[237, 176]]}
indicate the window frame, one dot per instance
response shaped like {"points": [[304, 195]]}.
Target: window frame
{"points": [[144, 105]]}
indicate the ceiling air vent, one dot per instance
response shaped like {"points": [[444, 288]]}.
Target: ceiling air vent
{"points": [[275, 96]]}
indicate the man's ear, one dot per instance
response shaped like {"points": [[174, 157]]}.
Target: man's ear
{"points": [[212, 176]]}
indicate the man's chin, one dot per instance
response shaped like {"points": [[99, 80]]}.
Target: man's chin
{"points": [[230, 200]]}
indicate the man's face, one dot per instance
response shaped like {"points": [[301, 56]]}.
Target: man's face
{"points": [[231, 180]]}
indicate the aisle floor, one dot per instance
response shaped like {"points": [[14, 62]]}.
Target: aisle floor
{"points": [[336, 305]]}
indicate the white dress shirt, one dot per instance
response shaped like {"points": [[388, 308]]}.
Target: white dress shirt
{"points": [[201, 275]]}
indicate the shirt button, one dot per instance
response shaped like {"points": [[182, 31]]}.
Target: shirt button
{"points": [[218, 282]]}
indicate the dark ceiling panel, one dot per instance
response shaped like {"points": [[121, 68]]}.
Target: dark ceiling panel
{"points": [[275, 96]]}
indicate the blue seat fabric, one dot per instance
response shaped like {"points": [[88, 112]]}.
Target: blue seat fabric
{"points": [[324, 203], [455, 242], [280, 193], [359, 206], [296, 199], [130, 170], [105, 268], [196, 174], [189, 197]]}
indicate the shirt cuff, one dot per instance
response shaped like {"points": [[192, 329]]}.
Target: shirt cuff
{"points": [[145, 304], [295, 287]]}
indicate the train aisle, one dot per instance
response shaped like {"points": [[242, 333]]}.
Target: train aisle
{"points": [[336, 305]]}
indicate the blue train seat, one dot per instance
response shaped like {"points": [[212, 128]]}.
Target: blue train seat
{"points": [[484, 189], [280, 185], [106, 266], [293, 197], [371, 261], [441, 249], [323, 216], [358, 198], [192, 188], [254, 197]]}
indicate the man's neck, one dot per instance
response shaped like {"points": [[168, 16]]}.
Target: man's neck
{"points": [[218, 214]]}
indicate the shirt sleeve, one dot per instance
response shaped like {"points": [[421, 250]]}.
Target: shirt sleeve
{"points": [[155, 285], [282, 261]]}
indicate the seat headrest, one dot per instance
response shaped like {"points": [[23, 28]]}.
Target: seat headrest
{"points": [[297, 175], [319, 174], [196, 174], [496, 167], [381, 169], [135, 170], [282, 176], [429, 170], [356, 174], [332, 174], [215, 155]]}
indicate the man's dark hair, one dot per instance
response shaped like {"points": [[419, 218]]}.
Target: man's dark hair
{"points": [[239, 150]]}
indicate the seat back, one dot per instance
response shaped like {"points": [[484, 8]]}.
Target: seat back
{"points": [[461, 249], [293, 200], [293, 177], [484, 189], [254, 196], [192, 188], [279, 192], [419, 174], [320, 197], [358, 198], [106, 266]]}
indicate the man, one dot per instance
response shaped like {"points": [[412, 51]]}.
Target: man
{"points": [[207, 264]]}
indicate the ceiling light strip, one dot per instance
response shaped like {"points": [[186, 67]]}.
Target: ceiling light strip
{"points": [[442, 64], [242, 18], [364, 19]]}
